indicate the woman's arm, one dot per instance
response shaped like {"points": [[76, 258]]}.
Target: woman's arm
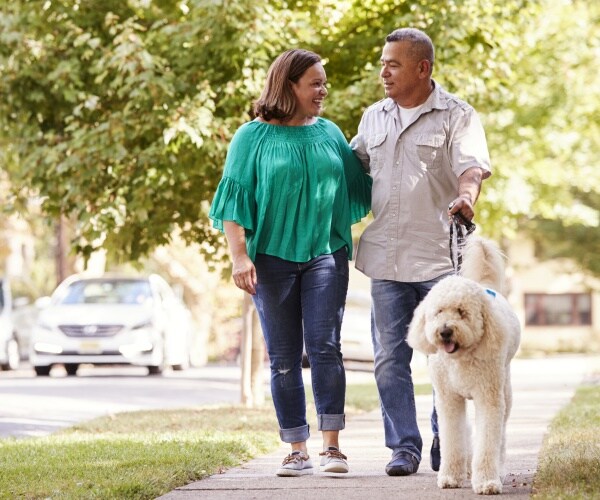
{"points": [[244, 272]]}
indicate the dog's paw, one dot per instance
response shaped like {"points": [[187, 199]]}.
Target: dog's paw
{"points": [[488, 487], [448, 482]]}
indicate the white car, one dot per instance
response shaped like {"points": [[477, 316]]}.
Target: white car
{"points": [[112, 320], [356, 328], [355, 337], [9, 347]]}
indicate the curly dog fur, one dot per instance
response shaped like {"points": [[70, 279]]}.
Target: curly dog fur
{"points": [[470, 333]]}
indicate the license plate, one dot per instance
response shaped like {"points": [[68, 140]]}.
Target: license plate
{"points": [[89, 347]]}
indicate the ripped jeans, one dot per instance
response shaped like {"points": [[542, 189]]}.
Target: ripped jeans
{"points": [[303, 304]]}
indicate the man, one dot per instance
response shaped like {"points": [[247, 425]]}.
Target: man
{"points": [[427, 154]]}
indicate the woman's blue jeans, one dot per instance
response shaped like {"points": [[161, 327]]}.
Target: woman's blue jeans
{"points": [[303, 304], [393, 306]]}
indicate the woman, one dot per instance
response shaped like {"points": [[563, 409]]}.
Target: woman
{"points": [[290, 190]]}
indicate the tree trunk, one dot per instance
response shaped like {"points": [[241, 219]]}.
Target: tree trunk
{"points": [[62, 247]]}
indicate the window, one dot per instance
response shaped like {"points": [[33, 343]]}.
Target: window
{"points": [[564, 309], [107, 292]]}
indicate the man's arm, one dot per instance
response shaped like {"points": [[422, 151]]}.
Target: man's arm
{"points": [[359, 145], [469, 187]]}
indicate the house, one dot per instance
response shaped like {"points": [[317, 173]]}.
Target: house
{"points": [[557, 303]]}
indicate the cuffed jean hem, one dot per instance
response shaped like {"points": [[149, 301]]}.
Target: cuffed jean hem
{"points": [[331, 422], [295, 435]]}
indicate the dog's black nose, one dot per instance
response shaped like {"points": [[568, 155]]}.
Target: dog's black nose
{"points": [[446, 333]]}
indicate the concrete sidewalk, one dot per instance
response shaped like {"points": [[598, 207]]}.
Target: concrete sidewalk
{"points": [[541, 387]]}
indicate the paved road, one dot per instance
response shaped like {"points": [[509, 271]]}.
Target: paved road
{"points": [[36, 406]]}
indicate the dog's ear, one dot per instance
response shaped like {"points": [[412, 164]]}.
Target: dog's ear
{"points": [[416, 336]]}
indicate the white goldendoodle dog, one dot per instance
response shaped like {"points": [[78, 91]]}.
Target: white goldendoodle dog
{"points": [[470, 333]]}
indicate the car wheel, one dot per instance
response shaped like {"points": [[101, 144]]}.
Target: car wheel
{"points": [[13, 358], [71, 368], [42, 371], [178, 367], [155, 370], [158, 369]]}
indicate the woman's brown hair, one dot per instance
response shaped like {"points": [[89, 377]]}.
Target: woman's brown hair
{"points": [[277, 100]]}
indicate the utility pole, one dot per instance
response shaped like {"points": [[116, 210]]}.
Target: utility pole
{"points": [[252, 354]]}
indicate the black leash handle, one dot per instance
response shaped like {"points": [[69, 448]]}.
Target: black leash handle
{"points": [[469, 225], [460, 228]]}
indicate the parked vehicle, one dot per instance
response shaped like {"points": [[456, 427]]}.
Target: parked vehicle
{"points": [[9, 346], [356, 328], [356, 344], [112, 320], [24, 318]]}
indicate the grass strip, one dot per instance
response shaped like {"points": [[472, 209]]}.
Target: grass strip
{"points": [[569, 465], [135, 455]]}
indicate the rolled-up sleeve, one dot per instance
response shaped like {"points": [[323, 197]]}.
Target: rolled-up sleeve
{"points": [[468, 147], [359, 146]]}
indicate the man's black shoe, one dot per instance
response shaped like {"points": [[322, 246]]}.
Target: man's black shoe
{"points": [[402, 464], [434, 454]]}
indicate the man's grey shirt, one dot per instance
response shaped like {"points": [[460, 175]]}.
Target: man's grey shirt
{"points": [[415, 169]]}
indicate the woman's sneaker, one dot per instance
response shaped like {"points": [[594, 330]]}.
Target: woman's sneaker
{"points": [[333, 460], [296, 463]]}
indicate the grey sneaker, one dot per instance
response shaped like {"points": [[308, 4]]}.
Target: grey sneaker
{"points": [[296, 463], [333, 460]]}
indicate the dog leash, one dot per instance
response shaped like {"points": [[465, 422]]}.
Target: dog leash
{"points": [[460, 228]]}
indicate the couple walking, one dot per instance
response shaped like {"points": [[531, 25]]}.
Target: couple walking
{"points": [[292, 187]]}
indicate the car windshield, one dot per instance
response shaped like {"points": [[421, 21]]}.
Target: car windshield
{"points": [[106, 292]]}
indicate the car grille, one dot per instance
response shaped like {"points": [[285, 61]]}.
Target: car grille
{"points": [[90, 330]]}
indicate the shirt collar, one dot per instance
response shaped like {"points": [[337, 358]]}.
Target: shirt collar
{"points": [[434, 101]]}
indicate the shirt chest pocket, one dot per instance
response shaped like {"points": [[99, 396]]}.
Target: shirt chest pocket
{"points": [[430, 150], [376, 150]]}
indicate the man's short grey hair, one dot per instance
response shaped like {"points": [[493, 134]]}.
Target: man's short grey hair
{"points": [[422, 46]]}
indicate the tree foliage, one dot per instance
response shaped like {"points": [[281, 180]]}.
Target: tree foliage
{"points": [[119, 113]]}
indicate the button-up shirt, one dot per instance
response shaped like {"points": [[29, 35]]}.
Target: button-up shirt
{"points": [[415, 168]]}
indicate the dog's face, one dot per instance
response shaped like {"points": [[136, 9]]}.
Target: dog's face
{"points": [[450, 319]]}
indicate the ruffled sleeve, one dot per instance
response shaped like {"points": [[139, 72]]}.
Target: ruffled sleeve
{"points": [[232, 202], [235, 198], [359, 192]]}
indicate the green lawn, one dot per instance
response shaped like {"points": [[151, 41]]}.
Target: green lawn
{"points": [[569, 465], [134, 455]]}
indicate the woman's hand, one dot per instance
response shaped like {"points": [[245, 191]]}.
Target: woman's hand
{"points": [[244, 274]]}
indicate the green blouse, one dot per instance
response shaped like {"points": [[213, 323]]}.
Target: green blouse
{"points": [[295, 190]]}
